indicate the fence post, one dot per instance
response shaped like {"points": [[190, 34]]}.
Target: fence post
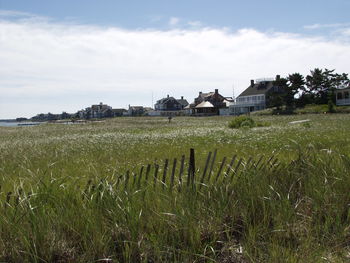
{"points": [[205, 169], [191, 168]]}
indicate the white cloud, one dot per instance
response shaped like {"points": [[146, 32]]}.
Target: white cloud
{"points": [[48, 66], [173, 21]]}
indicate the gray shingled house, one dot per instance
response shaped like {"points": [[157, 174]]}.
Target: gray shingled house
{"points": [[207, 104], [255, 97], [170, 104]]}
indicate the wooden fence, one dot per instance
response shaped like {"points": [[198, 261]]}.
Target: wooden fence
{"points": [[175, 174]]}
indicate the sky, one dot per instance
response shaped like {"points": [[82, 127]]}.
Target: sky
{"points": [[67, 55]]}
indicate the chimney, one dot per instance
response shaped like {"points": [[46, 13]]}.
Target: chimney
{"points": [[182, 97], [167, 96], [278, 77], [252, 82], [216, 91], [200, 93]]}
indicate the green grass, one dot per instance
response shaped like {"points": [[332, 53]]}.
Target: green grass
{"points": [[69, 199], [321, 108]]}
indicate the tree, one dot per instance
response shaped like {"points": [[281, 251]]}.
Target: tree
{"points": [[322, 84], [277, 94], [295, 85]]}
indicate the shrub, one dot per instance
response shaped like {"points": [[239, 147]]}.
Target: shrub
{"points": [[331, 106], [241, 121], [244, 121]]}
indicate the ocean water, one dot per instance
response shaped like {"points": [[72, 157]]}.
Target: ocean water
{"points": [[15, 124]]}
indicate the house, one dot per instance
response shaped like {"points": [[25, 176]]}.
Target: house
{"points": [[170, 104], [183, 102], [135, 111], [99, 111], [255, 97], [206, 104], [226, 110], [342, 96], [118, 112]]}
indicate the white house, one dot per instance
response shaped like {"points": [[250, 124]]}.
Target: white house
{"points": [[342, 96], [255, 97]]}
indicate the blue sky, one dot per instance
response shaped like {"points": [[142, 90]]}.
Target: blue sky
{"points": [[66, 55], [279, 15]]}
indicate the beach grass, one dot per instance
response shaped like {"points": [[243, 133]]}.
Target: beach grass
{"points": [[73, 193]]}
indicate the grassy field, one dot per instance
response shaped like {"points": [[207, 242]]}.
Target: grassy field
{"points": [[71, 193]]}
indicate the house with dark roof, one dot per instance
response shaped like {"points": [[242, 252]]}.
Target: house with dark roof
{"points": [[255, 97], [99, 111], [170, 104], [135, 111], [206, 104], [118, 112]]}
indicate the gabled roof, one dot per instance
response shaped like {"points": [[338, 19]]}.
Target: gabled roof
{"points": [[257, 89], [164, 100], [136, 107], [183, 102], [205, 104]]}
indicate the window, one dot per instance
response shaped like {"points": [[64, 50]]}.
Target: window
{"points": [[339, 95], [346, 94]]}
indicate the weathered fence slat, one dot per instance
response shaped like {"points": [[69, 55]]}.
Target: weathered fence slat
{"points": [[229, 167], [8, 199], [166, 163], [205, 169], [182, 165], [18, 196], [220, 169], [212, 165], [191, 168], [258, 162], [135, 177], [236, 169], [148, 169], [156, 167], [140, 177], [248, 162], [173, 174]]}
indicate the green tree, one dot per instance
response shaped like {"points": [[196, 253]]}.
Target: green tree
{"points": [[316, 84], [295, 85], [322, 84], [277, 94]]}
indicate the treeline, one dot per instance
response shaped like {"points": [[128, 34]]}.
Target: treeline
{"points": [[295, 90]]}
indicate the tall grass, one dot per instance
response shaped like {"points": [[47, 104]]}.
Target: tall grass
{"points": [[72, 199]]}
